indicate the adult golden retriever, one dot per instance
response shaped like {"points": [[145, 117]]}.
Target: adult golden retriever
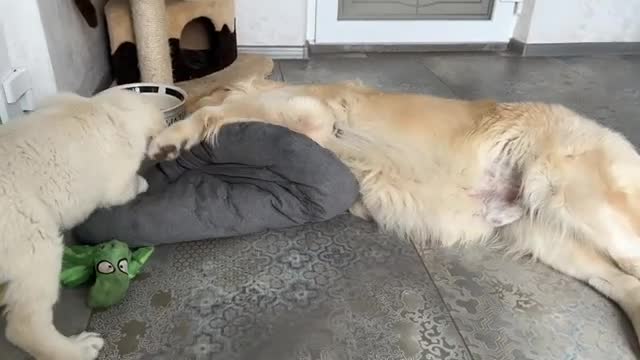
{"points": [[546, 180]]}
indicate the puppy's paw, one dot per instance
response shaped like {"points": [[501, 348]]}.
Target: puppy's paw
{"points": [[143, 185], [88, 345]]}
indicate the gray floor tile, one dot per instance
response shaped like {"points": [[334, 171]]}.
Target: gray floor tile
{"points": [[508, 309], [505, 78], [606, 89], [276, 74], [392, 72], [610, 91], [337, 290]]}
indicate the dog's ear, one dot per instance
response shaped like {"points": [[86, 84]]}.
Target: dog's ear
{"points": [[88, 11]]}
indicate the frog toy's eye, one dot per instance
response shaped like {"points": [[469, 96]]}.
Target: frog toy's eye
{"points": [[123, 265], [105, 267]]}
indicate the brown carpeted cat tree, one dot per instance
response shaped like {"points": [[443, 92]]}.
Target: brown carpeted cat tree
{"points": [[170, 41]]}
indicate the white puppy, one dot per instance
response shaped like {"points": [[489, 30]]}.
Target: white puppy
{"points": [[57, 165]]}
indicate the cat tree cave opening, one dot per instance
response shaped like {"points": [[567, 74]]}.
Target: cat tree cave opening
{"points": [[201, 49]]}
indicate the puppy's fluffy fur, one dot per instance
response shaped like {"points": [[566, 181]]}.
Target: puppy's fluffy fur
{"points": [[57, 165], [546, 180]]}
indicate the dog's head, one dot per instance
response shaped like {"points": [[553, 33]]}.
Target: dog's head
{"points": [[138, 114]]}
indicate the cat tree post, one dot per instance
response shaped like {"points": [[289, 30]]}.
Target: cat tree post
{"points": [[150, 28]]}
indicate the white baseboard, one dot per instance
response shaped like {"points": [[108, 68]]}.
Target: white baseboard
{"points": [[276, 52]]}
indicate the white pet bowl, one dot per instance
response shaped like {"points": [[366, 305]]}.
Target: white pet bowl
{"points": [[169, 99]]}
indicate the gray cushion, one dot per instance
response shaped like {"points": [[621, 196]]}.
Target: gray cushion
{"points": [[257, 177]]}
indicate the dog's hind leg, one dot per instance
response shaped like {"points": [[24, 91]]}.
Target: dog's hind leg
{"points": [[583, 262], [30, 295], [619, 238]]}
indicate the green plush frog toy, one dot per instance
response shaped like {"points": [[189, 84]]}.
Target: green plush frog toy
{"points": [[112, 265]]}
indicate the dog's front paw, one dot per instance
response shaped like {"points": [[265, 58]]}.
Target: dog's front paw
{"points": [[165, 146], [178, 137], [88, 345]]}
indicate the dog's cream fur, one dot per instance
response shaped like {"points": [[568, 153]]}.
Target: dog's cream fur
{"points": [[546, 180], [57, 165]]}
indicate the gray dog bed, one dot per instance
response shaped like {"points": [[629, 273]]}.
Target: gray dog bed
{"points": [[257, 177]]}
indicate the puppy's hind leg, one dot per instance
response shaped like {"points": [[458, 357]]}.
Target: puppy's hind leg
{"points": [[30, 295]]}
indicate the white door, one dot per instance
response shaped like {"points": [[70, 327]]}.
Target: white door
{"points": [[420, 22]]}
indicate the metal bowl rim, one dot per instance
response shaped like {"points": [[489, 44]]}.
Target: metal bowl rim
{"points": [[160, 87]]}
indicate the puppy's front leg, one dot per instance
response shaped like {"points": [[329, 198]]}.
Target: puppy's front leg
{"points": [[126, 192], [30, 296]]}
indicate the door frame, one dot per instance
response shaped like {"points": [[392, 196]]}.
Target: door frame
{"points": [[323, 27]]}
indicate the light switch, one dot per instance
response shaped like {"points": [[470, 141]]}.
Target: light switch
{"points": [[17, 89]]}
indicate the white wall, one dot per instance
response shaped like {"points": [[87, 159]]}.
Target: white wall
{"points": [[79, 53], [51, 40], [26, 43], [576, 21], [6, 110], [62, 53], [271, 22]]}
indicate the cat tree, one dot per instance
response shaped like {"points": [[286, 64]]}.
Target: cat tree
{"points": [[150, 28], [173, 40]]}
